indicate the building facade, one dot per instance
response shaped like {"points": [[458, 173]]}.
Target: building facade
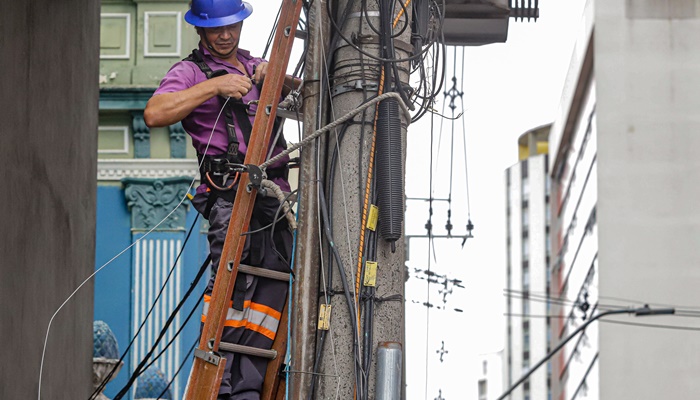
{"points": [[489, 376], [143, 177], [527, 283], [625, 221]]}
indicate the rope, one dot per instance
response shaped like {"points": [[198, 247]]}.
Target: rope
{"points": [[268, 184], [337, 123]]}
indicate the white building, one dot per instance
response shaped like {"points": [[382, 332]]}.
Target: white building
{"points": [[625, 215], [527, 286], [489, 376]]}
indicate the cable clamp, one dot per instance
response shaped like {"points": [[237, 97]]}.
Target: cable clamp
{"points": [[256, 176]]}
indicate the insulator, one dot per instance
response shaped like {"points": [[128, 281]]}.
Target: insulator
{"points": [[389, 170]]}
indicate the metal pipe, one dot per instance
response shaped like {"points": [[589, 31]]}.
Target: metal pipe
{"points": [[389, 371]]}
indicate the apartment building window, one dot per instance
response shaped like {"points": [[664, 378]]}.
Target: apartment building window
{"points": [[525, 189], [483, 389], [526, 219], [526, 249]]}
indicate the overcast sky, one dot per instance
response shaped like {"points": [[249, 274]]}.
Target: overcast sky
{"points": [[508, 89]]}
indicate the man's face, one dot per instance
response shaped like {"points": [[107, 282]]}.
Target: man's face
{"points": [[224, 39]]}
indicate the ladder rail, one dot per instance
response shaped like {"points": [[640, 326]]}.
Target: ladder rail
{"points": [[205, 378]]}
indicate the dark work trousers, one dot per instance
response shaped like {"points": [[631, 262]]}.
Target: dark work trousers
{"points": [[254, 314]]}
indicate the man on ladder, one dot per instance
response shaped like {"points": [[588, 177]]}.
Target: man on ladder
{"points": [[220, 75]]}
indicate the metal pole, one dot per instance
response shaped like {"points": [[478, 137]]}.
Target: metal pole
{"points": [[644, 311], [389, 371]]}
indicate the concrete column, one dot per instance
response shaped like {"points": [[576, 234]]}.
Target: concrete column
{"points": [[48, 152]]}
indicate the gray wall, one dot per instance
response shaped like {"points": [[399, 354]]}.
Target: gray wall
{"points": [[647, 67], [48, 109]]}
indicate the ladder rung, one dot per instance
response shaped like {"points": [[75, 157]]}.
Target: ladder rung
{"points": [[265, 273], [290, 114], [248, 350]]}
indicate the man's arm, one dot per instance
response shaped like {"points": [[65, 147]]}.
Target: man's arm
{"points": [[168, 108]]}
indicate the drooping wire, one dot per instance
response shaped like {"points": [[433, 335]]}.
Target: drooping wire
{"points": [[429, 225], [464, 141], [111, 373], [103, 266], [182, 364], [140, 368]]}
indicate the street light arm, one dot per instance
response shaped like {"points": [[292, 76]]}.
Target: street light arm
{"points": [[643, 311]]}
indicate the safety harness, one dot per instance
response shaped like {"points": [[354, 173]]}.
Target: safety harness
{"points": [[220, 167]]}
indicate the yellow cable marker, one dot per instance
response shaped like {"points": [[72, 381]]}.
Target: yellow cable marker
{"points": [[370, 273], [324, 317], [372, 219]]}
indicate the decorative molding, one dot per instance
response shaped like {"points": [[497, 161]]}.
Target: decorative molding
{"points": [[142, 136], [127, 36], [125, 147], [151, 200], [178, 141], [118, 169], [117, 98], [178, 33]]}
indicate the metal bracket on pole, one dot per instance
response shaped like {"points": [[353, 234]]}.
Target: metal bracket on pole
{"points": [[208, 356], [354, 86]]}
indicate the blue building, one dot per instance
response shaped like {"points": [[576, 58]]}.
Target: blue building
{"points": [[143, 177]]}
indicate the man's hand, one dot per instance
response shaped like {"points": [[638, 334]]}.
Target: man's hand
{"points": [[260, 72], [232, 85]]}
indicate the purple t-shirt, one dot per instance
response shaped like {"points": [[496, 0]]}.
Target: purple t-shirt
{"points": [[199, 123]]}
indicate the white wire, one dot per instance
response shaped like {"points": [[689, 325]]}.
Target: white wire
{"points": [[48, 329]]}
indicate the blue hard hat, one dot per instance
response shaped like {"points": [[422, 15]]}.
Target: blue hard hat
{"points": [[215, 13]]}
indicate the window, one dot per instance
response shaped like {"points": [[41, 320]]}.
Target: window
{"points": [[525, 189], [483, 389]]}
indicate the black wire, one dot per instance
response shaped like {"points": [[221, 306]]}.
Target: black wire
{"points": [[343, 279], [349, 42], [272, 224], [139, 369], [109, 376], [182, 364], [171, 341], [272, 32]]}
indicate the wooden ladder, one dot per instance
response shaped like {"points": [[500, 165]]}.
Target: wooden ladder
{"points": [[208, 367]]}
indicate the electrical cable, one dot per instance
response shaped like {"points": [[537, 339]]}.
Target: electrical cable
{"points": [[109, 376], [103, 266], [182, 364], [139, 369], [343, 279], [177, 333]]}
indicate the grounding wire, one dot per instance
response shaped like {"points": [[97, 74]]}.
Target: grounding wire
{"points": [[48, 329]]}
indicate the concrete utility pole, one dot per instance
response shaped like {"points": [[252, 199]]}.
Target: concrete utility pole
{"points": [[352, 72], [305, 289]]}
